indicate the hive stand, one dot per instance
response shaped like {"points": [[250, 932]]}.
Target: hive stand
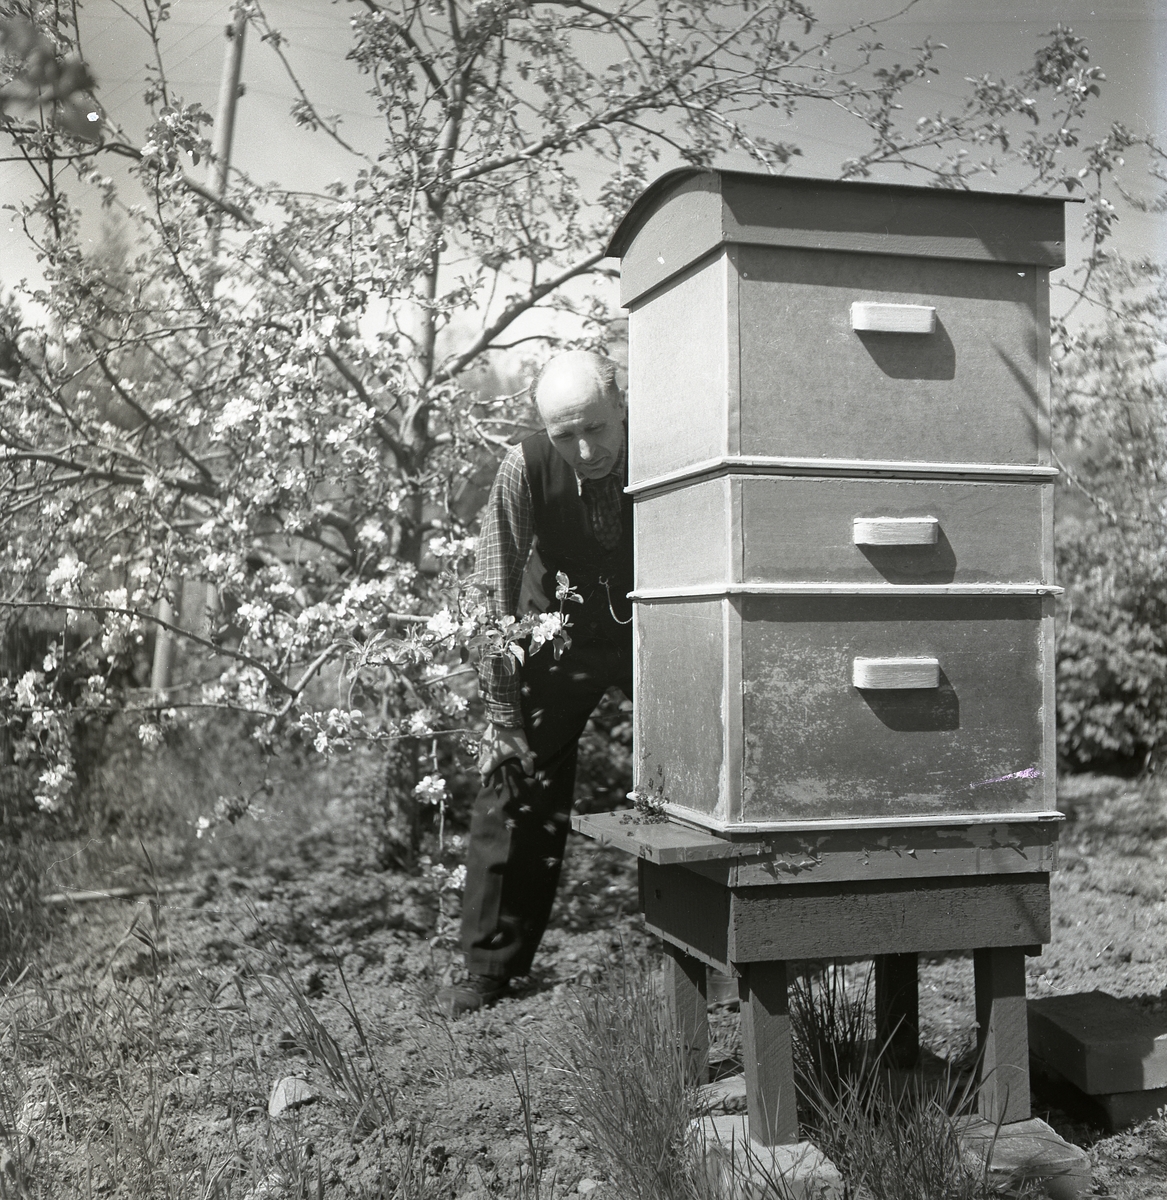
{"points": [[751, 905]]}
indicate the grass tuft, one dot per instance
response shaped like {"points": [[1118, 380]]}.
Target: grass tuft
{"points": [[625, 1072], [890, 1140], [370, 1103], [832, 1028]]}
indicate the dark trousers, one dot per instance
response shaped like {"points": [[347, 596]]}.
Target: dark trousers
{"points": [[519, 826]]}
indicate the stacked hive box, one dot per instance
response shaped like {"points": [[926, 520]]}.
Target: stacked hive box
{"points": [[839, 449]]}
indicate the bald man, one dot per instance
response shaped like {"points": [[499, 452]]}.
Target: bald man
{"points": [[557, 504]]}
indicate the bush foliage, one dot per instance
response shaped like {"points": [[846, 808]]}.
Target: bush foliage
{"points": [[1111, 412]]}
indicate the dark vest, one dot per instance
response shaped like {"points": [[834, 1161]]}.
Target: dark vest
{"points": [[565, 543]]}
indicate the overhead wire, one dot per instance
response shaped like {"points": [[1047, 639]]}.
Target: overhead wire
{"points": [[111, 96]]}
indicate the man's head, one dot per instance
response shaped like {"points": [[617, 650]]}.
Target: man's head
{"points": [[581, 405]]}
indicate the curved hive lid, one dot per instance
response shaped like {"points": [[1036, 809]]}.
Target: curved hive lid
{"points": [[687, 212]]}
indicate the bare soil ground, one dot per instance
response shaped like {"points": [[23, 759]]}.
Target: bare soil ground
{"points": [[141, 1050]]}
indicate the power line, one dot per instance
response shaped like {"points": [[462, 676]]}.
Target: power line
{"points": [[111, 96]]}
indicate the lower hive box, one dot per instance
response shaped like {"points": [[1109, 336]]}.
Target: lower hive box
{"points": [[771, 710]]}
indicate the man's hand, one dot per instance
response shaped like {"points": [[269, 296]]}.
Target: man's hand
{"points": [[498, 745]]}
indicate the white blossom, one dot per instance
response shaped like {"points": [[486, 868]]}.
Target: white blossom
{"points": [[421, 722], [55, 783], [449, 548], [442, 624], [149, 734], [548, 626], [431, 789], [26, 688], [235, 412], [371, 533], [65, 578]]}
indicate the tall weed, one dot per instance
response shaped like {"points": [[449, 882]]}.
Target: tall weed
{"points": [[369, 1101], [624, 1071]]}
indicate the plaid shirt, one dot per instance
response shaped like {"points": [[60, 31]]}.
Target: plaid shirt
{"points": [[504, 549]]}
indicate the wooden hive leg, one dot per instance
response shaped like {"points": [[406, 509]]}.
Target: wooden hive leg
{"points": [[897, 1008], [1002, 1034], [685, 992], [767, 1054]]}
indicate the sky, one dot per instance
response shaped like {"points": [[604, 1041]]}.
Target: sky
{"points": [[1128, 40]]}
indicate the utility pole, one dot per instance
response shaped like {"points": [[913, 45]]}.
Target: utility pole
{"points": [[170, 606], [230, 89]]}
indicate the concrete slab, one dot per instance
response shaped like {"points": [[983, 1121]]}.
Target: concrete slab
{"points": [[1113, 1110], [741, 1169], [1027, 1150], [1101, 1044]]}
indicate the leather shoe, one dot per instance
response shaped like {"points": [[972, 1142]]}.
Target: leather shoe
{"points": [[478, 992]]}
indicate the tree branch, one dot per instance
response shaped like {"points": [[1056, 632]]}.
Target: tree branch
{"points": [[83, 472], [169, 626], [419, 56], [458, 363], [125, 396]]}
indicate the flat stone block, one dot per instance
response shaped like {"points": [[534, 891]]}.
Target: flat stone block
{"points": [[1129, 1108], [741, 1169], [1099, 1043], [726, 1095], [1114, 1110], [1028, 1150]]}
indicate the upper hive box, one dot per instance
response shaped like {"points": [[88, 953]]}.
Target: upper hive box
{"points": [[825, 325]]}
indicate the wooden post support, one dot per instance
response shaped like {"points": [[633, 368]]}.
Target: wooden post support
{"points": [[1002, 1033], [767, 1054], [897, 1009], [685, 992]]}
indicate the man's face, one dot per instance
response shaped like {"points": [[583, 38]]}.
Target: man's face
{"points": [[584, 425]]}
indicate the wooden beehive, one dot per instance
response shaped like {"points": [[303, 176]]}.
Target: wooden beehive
{"points": [[839, 450]]}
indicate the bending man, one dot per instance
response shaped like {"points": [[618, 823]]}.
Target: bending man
{"points": [[560, 493]]}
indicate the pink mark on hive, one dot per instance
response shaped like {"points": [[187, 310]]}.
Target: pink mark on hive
{"points": [[1028, 773]]}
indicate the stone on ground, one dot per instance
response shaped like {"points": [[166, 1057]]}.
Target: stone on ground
{"points": [[726, 1095], [1028, 1150], [742, 1169], [289, 1094]]}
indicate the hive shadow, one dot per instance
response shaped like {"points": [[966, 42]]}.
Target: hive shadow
{"points": [[917, 710], [912, 355]]}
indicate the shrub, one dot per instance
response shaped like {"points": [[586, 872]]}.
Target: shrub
{"points": [[1112, 648], [1111, 431]]}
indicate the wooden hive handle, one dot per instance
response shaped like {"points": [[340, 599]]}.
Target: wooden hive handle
{"points": [[892, 318], [895, 531], [893, 673]]}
